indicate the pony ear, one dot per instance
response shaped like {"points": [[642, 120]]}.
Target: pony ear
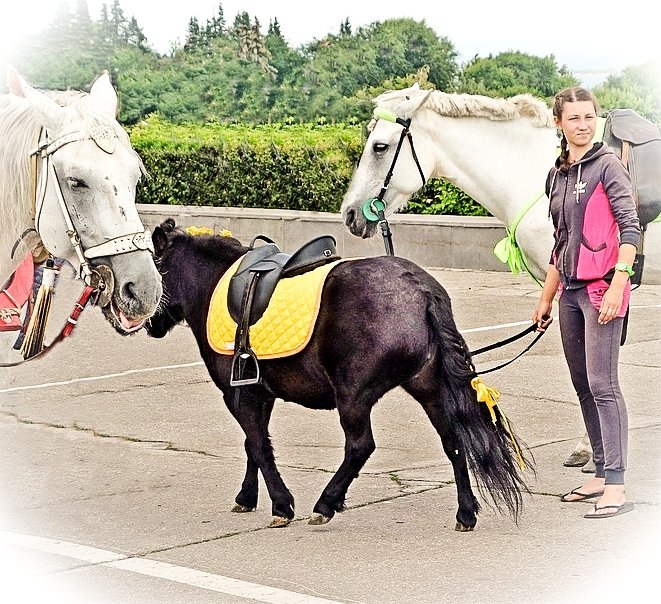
{"points": [[104, 94], [160, 241]]}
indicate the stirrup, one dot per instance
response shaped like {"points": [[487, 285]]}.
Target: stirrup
{"points": [[239, 366]]}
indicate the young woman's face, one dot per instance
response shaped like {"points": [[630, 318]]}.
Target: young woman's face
{"points": [[578, 122]]}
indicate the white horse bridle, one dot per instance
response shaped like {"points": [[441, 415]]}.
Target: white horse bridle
{"points": [[104, 137]]}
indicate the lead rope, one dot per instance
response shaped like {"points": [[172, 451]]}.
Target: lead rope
{"points": [[547, 320]]}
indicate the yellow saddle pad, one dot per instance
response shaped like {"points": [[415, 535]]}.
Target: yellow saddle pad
{"points": [[286, 326]]}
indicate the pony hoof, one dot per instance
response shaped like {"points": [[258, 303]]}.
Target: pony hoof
{"points": [[462, 528], [241, 509], [279, 522], [318, 519]]}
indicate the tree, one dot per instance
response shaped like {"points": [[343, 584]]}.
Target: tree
{"points": [[403, 46], [344, 64], [251, 42], [345, 28], [285, 60], [216, 25], [193, 35], [237, 74], [637, 88], [69, 54], [511, 73], [134, 35]]}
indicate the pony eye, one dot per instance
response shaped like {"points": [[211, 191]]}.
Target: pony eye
{"points": [[379, 147]]}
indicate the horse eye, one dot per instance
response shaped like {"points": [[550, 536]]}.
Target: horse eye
{"points": [[76, 183], [379, 147]]}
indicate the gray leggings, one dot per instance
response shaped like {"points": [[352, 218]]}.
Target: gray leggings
{"points": [[592, 353]]}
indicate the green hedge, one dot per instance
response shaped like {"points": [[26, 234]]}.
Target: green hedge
{"points": [[297, 167]]}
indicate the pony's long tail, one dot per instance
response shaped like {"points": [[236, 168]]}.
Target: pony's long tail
{"points": [[494, 454]]}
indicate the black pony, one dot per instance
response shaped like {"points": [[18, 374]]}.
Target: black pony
{"points": [[357, 353]]}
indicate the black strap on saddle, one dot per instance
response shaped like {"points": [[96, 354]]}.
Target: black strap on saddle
{"points": [[252, 287]]}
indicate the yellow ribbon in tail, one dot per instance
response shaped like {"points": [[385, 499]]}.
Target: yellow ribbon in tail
{"points": [[490, 396]]}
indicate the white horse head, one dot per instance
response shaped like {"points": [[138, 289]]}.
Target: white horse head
{"points": [[498, 151], [68, 177]]}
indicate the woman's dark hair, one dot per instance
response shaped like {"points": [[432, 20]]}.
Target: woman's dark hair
{"points": [[570, 95]]}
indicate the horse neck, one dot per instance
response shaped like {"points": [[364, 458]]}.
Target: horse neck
{"points": [[18, 136], [202, 266], [501, 164]]}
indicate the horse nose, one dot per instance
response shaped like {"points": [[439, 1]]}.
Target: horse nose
{"points": [[351, 214], [129, 292], [139, 300]]}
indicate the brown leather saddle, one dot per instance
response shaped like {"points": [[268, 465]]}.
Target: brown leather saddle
{"points": [[252, 287]]}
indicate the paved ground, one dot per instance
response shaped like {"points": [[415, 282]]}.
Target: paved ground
{"points": [[120, 464]]}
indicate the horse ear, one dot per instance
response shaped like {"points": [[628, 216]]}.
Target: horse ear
{"points": [[104, 94], [160, 241], [415, 100], [15, 82], [49, 109]]}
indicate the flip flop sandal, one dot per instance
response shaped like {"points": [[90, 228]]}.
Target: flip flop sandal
{"points": [[581, 496], [616, 510]]}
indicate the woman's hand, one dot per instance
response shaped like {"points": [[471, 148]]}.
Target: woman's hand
{"points": [[610, 304], [542, 315]]}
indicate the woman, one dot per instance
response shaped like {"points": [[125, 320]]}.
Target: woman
{"points": [[596, 236]]}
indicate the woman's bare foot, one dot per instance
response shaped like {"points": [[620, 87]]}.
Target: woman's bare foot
{"points": [[592, 488], [614, 495]]}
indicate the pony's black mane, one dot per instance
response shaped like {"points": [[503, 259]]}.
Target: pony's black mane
{"points": [[215, 246]]}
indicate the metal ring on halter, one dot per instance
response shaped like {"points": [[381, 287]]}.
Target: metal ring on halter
{"points": [[103, 282]]}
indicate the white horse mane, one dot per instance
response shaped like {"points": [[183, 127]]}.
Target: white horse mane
{"points": [[20, 124], [467, 105]]}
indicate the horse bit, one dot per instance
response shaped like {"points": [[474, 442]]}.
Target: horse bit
{"points": [[99, 278], [374, 208]]}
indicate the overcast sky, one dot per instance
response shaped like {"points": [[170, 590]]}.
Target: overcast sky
{"points": [[581, 35]]}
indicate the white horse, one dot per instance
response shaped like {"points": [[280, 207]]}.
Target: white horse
{"points": [[498, 151], [68, 177]]}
